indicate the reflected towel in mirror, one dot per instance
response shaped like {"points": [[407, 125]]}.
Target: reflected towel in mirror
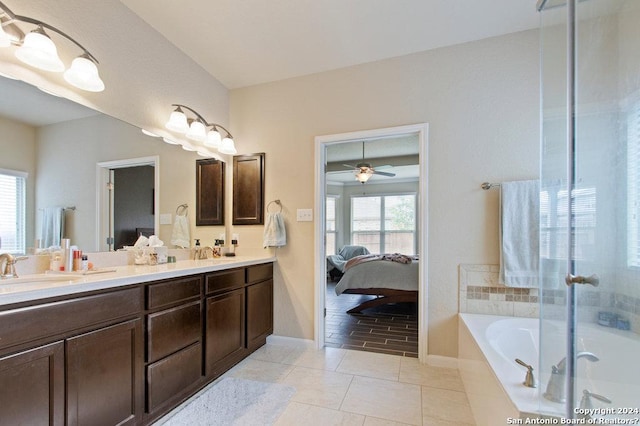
{"points": [[52, 226]]}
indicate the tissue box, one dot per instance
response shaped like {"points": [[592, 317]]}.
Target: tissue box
{"points": [[162, 253]]}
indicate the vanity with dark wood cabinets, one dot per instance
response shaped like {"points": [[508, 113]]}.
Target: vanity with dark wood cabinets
{"points": [[129, 354]]}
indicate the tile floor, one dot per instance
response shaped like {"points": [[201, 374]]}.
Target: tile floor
{"points": [[390, 329], [343, 387]]}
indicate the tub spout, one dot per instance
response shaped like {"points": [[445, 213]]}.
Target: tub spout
{"points": [[556, 390]]}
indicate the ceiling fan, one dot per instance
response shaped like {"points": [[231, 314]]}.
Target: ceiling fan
{"points": [[365, 170]]}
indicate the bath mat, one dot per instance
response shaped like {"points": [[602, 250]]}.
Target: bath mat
{"points": [[234, 401]]}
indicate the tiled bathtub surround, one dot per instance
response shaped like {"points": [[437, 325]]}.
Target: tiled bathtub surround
{"points": [[480, 293]]}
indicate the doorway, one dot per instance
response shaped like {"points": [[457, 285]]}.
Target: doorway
{"points": [[322, 238], [133, 211]]}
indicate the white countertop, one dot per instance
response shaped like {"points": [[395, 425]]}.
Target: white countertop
{"points": [[40, 286]]}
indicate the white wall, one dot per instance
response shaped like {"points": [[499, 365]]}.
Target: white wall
{"points": [[481, 102]]}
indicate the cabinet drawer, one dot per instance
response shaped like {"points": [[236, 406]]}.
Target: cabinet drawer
{"points": [[171, 292], [173, 375], [259, 273], [50, 319], [224, 280], [173, 329]]}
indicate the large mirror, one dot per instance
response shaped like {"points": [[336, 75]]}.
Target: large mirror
{"points": [[65, 151]]}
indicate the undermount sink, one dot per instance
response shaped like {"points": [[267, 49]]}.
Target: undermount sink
{"points": [[35, 282]]}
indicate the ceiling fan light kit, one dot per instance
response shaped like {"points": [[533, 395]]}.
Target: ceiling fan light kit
{"points": [[364, 171]]}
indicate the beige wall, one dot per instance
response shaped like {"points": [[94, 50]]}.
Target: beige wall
{"points": [[18, 152], [481, 102]]}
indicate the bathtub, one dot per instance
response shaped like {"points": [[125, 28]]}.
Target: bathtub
{"points": [[488, 346]]}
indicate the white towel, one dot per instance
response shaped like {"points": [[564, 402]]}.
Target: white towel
{"points": [[275, 234], [52, 226], [519, 233], [180, 236]]}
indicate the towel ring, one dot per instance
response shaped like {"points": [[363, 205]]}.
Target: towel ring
{"points": [[182, 209], [277, 202]]}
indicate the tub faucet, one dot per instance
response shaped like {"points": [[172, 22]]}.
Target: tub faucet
{"points": [[9, 261], [556, 390]]}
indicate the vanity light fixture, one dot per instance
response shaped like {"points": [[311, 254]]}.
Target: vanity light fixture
{"points": [[196, 130], [148, 133], [5, 41], [38, 50]]}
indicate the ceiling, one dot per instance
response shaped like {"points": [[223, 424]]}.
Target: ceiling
{"points": [[243, 43], [22, 102], [398, 155]]}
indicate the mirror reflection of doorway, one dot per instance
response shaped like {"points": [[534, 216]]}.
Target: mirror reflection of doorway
{"points": [[128, 201], [133, 204]]}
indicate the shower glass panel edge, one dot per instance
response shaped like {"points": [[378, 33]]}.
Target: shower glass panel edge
{"points": [[593, 229]]}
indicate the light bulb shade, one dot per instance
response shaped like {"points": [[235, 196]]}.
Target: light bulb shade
{"points": [[213, 139], [170, 141], [197, 131], [177, 121], [39, 51], [362, 176], [187, 146], [83, 74], [5, 41], [227, 147]]}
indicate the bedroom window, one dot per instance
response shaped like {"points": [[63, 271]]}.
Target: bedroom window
{"points": [[331, 227], [385, 223], [12, 211]]}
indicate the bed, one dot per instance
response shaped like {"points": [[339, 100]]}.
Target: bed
{"points": [[389, 281]]}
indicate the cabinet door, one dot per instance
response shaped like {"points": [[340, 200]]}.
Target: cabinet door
{"points": [[225, 331], [32, 386], [104, 373], [259, 313]]}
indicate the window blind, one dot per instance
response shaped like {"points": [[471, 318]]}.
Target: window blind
{"points": [[12, 211]]}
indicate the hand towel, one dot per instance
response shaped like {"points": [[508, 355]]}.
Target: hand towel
{"points": [[275, 234], [52, 226], [180, 236], [519, 233]]}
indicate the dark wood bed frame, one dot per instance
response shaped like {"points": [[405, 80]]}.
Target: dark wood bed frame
{"points": [[383, 296]]}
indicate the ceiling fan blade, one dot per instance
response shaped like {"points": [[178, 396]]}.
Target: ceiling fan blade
{"points": [[350, 166], [375, 172]]}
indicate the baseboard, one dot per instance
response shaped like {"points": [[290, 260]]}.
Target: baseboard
{"points": [[290, 341], [442, 361]]}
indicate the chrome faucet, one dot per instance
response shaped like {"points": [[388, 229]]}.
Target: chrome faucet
{"points": [[556, 390], [9, 261]]}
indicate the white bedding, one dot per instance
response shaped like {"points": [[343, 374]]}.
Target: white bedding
{"points": [[380, 274]]}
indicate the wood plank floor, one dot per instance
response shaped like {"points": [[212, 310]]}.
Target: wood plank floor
{"points": [[390, 329]]}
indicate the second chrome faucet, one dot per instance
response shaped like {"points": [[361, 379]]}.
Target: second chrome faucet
{"points": [[556, 389]]}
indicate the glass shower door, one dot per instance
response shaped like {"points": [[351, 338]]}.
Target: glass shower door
{"points": [[590, 222]]}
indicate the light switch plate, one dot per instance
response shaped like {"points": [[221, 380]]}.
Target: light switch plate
{"points": [[304, 215], [165, 219]]}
